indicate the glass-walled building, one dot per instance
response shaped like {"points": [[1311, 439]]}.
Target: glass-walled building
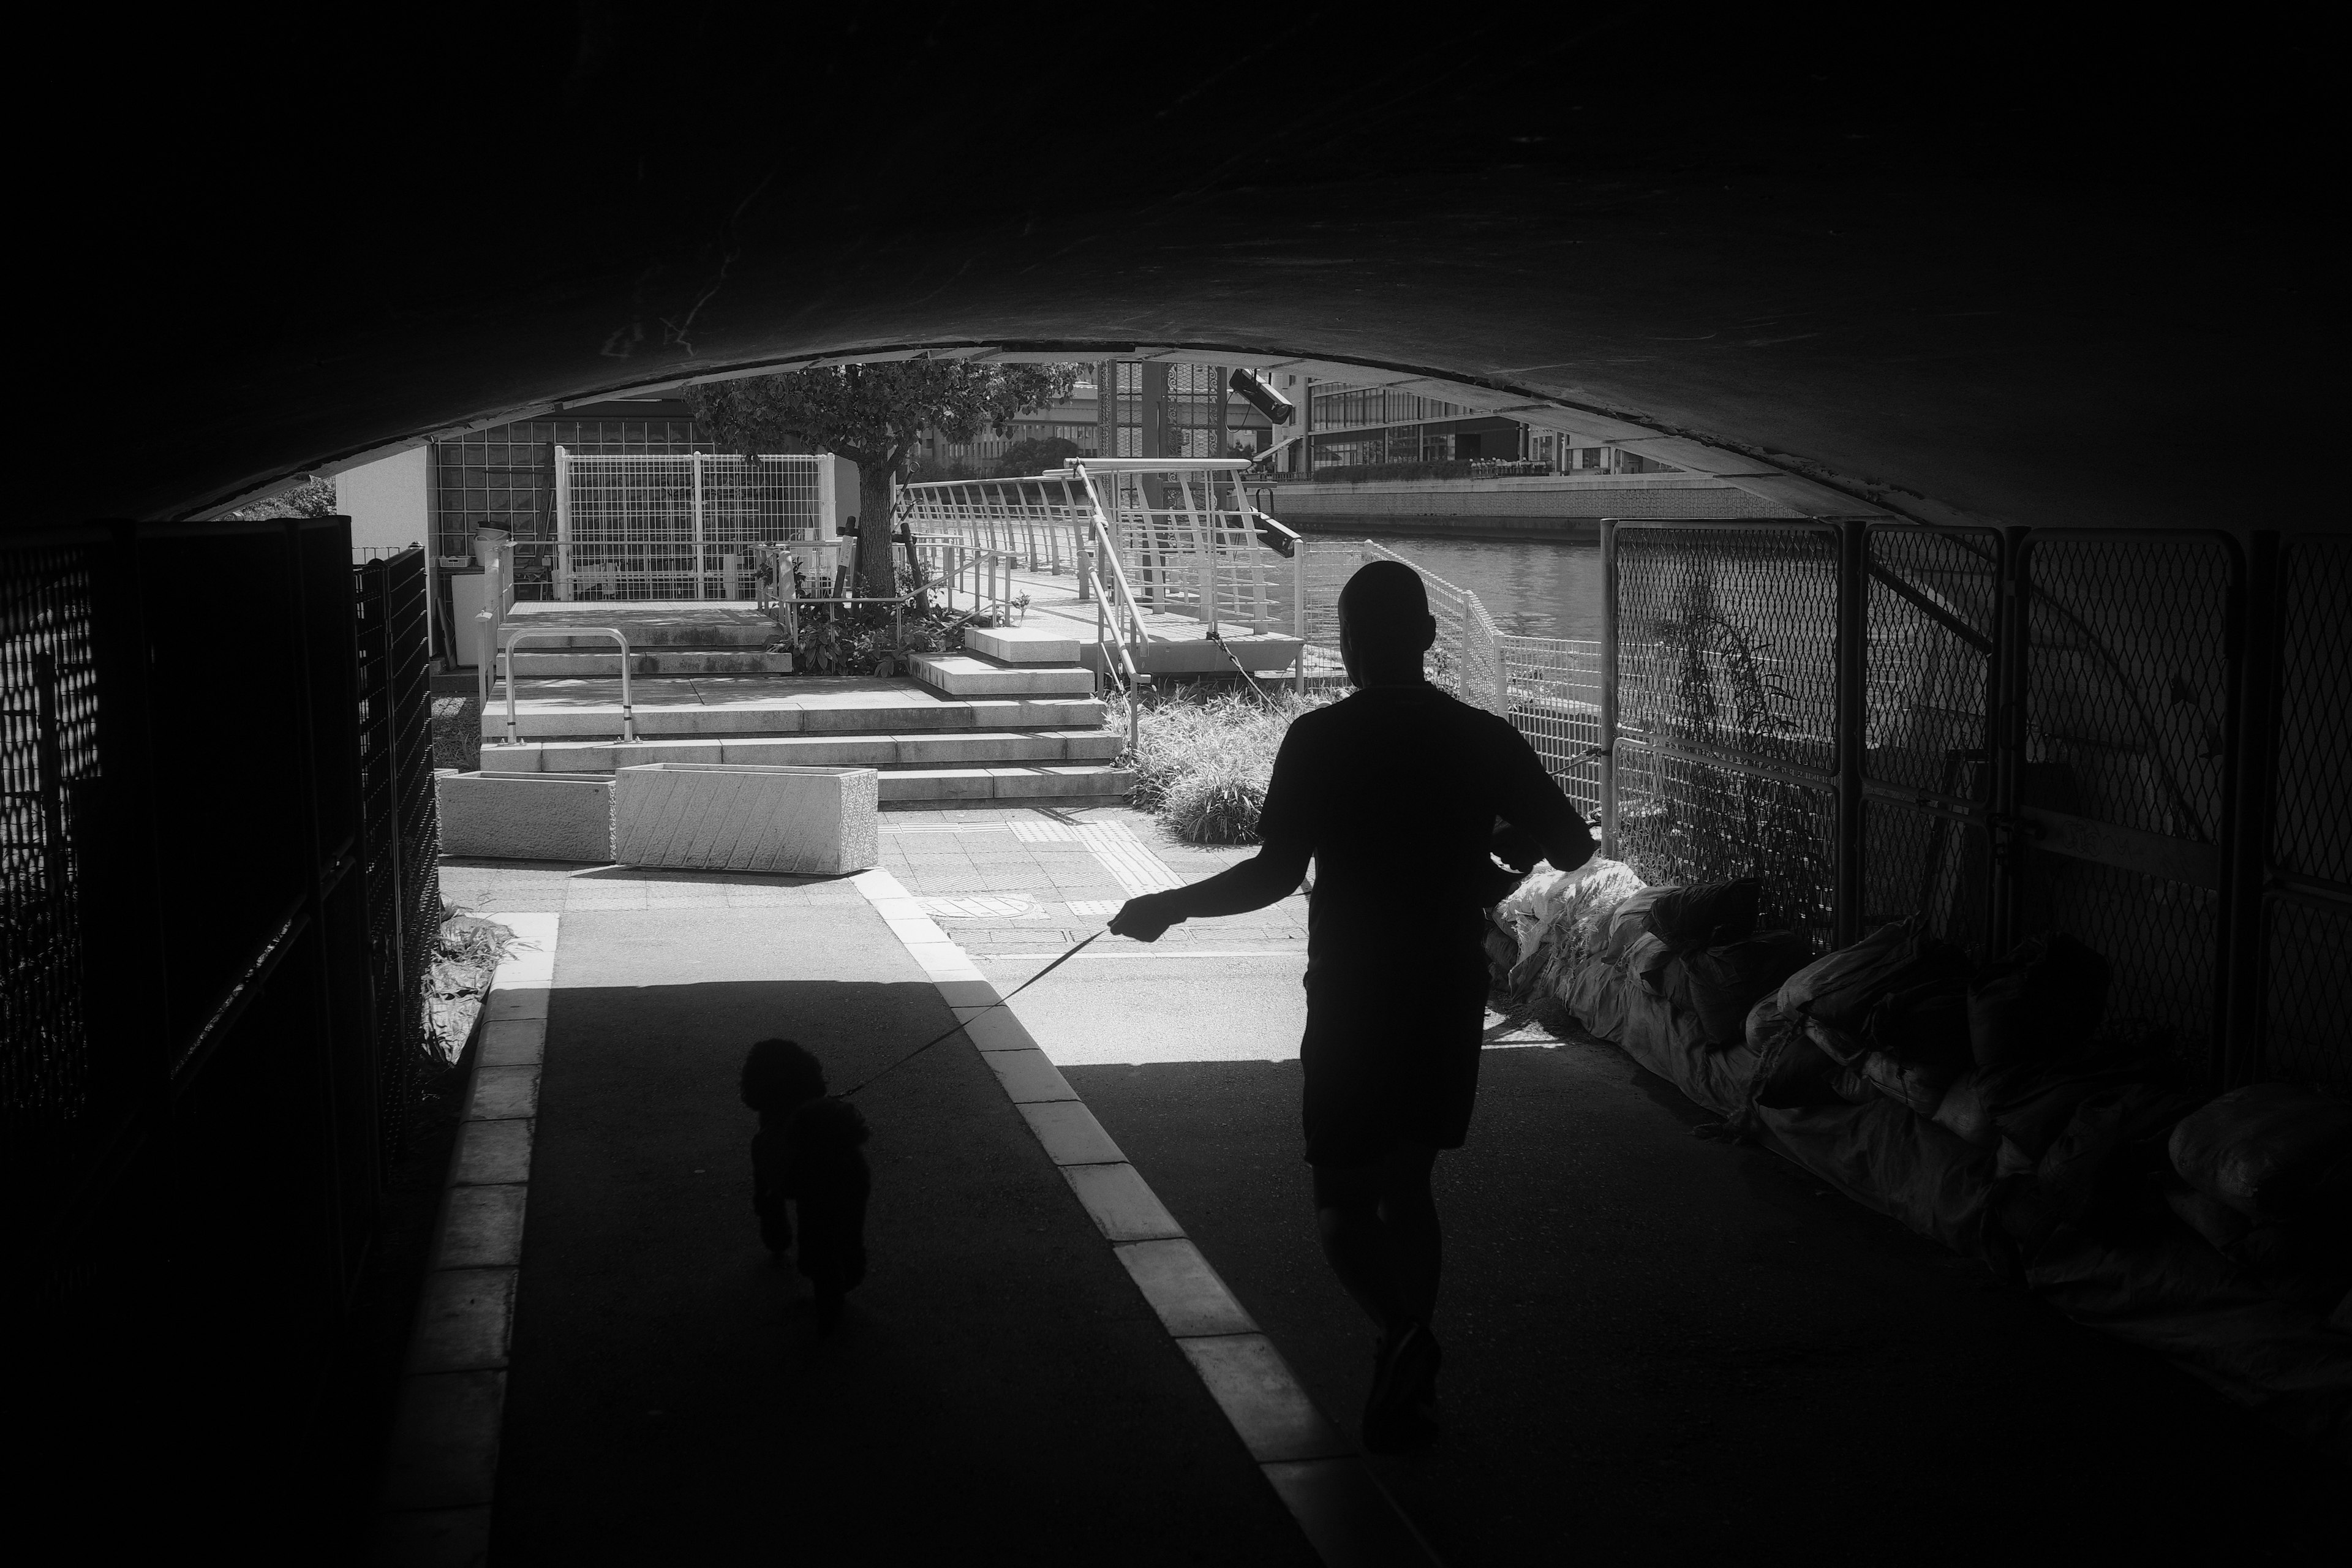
{"points": [[1354, 428]]}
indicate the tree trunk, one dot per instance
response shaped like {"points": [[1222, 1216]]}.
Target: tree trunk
{"points": [[877, 501]]}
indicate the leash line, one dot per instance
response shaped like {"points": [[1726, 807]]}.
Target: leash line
{"points": [[958, 1028]]}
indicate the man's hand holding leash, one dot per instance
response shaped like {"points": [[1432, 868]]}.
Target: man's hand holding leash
{"points": [[1145, 917]]}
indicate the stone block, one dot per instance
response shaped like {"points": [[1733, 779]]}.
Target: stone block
{"points": [[1022, 645], [527, 817], [741, 816]]}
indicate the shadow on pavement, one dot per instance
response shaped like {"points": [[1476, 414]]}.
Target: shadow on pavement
{"points": [[999, 1390], [1665, 1350]]}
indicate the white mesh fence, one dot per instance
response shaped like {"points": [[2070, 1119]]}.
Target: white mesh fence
{"points": [[671, 525]]}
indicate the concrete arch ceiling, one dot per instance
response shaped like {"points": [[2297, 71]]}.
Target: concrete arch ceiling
{"points": [[1950, 276]]}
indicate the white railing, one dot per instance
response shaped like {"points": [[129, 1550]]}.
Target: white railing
{"points": [[514, 637], [1190, 540], [1042, 523], [947, 564]]}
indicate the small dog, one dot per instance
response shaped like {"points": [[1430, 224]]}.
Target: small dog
{"points": [[807, 1151]]}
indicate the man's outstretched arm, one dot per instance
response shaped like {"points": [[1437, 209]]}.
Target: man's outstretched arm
{"points": [[1268, 877]]}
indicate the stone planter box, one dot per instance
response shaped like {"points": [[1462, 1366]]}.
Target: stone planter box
{"points": [[526, 816], [743, 817]]}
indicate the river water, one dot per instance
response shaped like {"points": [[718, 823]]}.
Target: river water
{"points": [[1534, 587]]}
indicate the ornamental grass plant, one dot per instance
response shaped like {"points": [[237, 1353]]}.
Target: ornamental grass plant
{"points": [[1204, 753]]}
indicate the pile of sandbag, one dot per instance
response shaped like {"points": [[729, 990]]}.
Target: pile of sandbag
{"points": [[1556, 923], [2264, 1174], [1698, 947]]}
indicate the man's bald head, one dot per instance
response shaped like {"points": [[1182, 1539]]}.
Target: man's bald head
{"points": [[1385, 610], [1385, 624]]}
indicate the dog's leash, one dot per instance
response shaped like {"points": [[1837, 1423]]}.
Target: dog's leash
{"points": [[1000, 1000]]}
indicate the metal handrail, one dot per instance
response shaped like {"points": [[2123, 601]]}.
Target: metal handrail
{"points": [[628, 713]]}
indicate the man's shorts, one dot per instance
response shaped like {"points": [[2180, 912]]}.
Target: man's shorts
{"points": [[1391, 1060]]}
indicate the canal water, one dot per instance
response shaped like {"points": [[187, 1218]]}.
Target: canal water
{"points": [[1534, 587]]}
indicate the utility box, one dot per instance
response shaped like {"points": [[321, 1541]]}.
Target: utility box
{"points": [[741, 817]]}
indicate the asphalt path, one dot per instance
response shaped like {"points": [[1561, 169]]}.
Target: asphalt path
{"points": [[999, 1392], [1662, 1349]]}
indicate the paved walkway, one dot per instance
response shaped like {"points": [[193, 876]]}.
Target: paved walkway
{"points": [[999, 1393], [1659, 1350]]}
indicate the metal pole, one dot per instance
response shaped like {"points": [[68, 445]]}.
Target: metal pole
{"points": [[2006, 743], [562, 523], [2251, 740], [1607, 743], [696, 459], [1852, 721]]}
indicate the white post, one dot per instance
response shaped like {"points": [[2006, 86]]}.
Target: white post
{"points": [[1502, 680], [696, 460], [562, 523], [1298, 613]]}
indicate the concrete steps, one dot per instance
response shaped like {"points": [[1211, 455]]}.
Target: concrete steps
{"points": [[936, 749], [970, 674], [532, 665], [1022, 645]]}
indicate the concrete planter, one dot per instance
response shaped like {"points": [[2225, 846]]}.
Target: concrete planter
{"points": [[735, 816], [526, 816]]}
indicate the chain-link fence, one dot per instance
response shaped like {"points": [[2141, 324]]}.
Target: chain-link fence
{"points": [[2106, 733], [1725, 667], [1933, 603], [2129, 691], [2306, 870]]}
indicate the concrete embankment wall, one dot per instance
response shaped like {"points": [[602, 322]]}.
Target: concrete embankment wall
{"points": [[1549, 508]]}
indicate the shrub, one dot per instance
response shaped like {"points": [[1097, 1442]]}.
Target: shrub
{"points": [[1204, 754]]}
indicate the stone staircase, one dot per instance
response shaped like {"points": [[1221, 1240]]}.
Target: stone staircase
{"points": [[1011, 718]]}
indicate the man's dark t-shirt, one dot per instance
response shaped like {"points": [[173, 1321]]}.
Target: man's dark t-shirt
{"points": [[1394, 793]]}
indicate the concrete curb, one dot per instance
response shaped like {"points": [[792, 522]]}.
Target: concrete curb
{"points": [[1347, 1515], [442, 1462]]}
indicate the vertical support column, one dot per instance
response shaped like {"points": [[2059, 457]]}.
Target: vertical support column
{"points": [[1106, 408], [1607, 743], [1502, 677], [562, 524], [2250, 741], [1852, 721], [696, 460], [2011, 642]]}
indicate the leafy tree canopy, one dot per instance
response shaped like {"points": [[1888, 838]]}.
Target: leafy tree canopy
{"points": [[1026, 458], [872, 413], [312, 497]]}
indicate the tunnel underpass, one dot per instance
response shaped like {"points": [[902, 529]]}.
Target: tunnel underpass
{"points": [[2017, 334]]}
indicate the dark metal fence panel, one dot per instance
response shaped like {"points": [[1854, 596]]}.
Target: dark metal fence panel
{"points": [[192, 874], [1933, 610], [53, 1093], [2307, 885], [2131, 688], [399, 833], [1725, 678]]}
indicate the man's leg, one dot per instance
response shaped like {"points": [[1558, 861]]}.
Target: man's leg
{"points": [[1380, 1232]]}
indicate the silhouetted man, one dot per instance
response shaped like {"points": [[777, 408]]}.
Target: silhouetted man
{"points": [[1394, 794]]}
